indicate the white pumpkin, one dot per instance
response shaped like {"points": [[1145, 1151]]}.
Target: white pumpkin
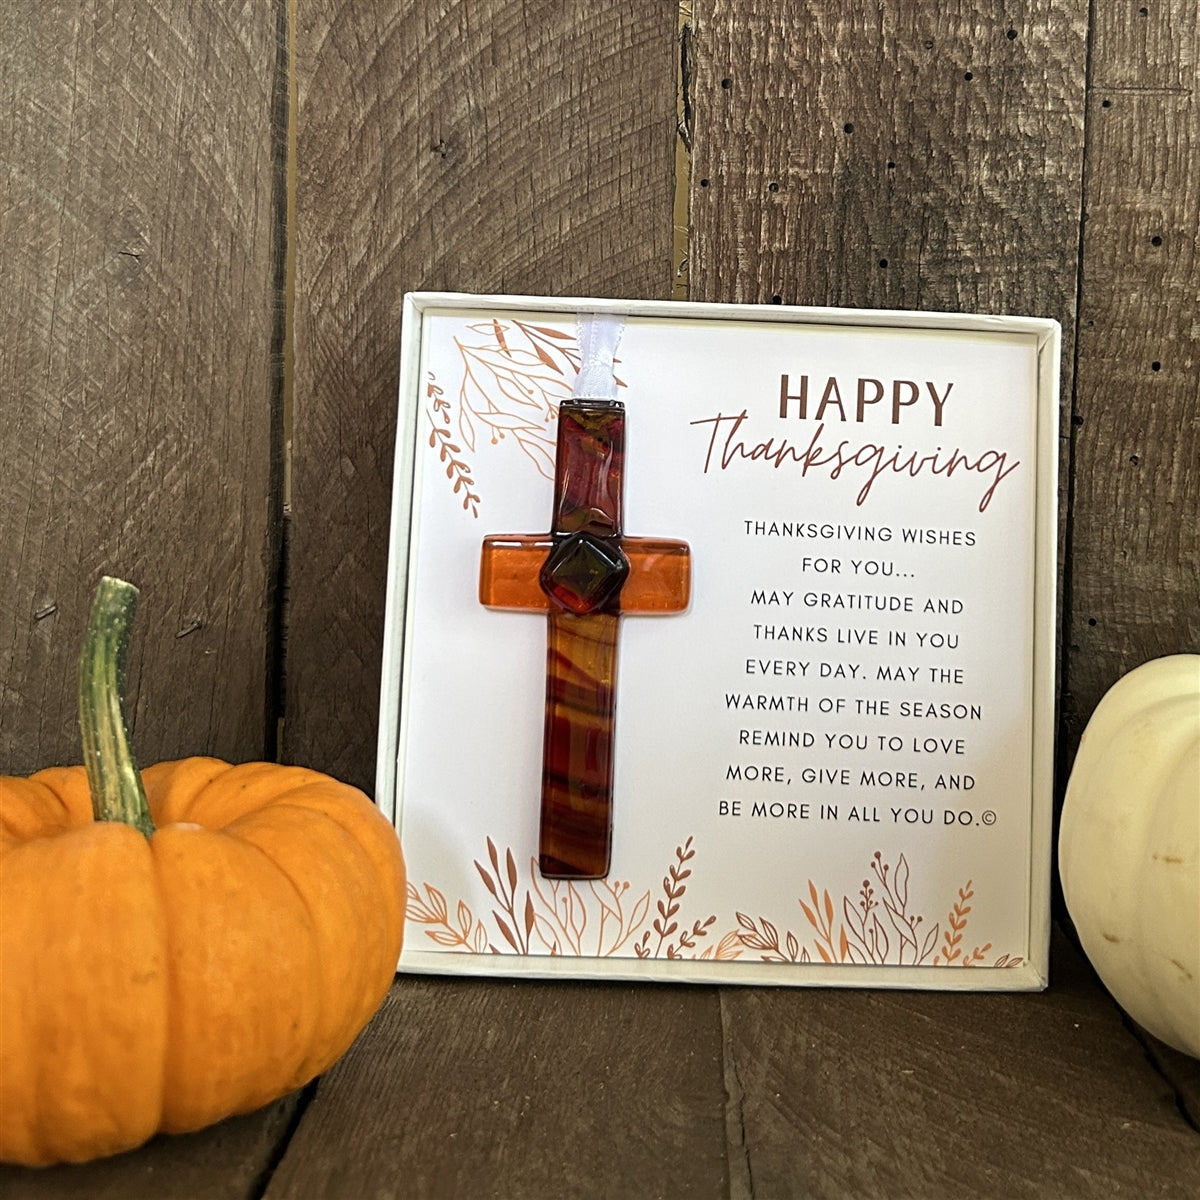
{"points": [[1129, 846]]}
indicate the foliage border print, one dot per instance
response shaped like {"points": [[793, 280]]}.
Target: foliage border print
{"points": [[873, 926]]}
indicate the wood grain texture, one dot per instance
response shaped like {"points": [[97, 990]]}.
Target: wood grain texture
{"points": [[895, 1094], [1181, 1070], [896, 155], [480, 146], [138, 243], [1135, 520], [497, 1089], [227, 1161]]}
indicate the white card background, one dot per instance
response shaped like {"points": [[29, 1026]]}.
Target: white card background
{"points": [[775, 800]]}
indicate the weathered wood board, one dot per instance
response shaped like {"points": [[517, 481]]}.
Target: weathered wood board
{"points": [[889, 156], [139, 236], [486, 1088], [903, 1095], [1134, 566], [229, 1161]]}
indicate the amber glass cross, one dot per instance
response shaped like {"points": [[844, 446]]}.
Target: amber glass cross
{"points": [[583, 574]]}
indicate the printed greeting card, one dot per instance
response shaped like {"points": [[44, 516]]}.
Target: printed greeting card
{"points": [[720, 642]]}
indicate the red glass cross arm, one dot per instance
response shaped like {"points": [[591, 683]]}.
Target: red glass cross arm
{"points": [[584, 575]]}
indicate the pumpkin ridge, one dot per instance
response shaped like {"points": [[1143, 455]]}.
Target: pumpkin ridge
{"points": [[239, 968], [362, 821], [46, 804], [303, 1075], [171, 787], [169, 1020], [359, 944], [73, 1075], [246, 787]]}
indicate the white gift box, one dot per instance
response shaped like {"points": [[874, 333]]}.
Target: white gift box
{"points": [[835, 767]]}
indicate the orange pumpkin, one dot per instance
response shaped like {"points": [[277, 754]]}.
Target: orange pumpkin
{"points": [[218, 945]]}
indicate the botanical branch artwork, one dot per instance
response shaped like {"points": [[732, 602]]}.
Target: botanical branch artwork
{"points": [[607, 918], [854, 931], [514, 374], [449, 451], [601, 918]]}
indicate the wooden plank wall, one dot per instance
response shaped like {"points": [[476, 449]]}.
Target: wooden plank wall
{"points": [[1041, 157], [140, 233], [1134, 566]]}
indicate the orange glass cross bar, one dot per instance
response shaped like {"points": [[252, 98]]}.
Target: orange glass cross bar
{"points": [[659, 580], [584, 575]]}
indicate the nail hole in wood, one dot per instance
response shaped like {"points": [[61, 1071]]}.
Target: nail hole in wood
{"points": [[727, 84], [883, 263], [1156, 240], [968, 76], [1011, 35], [776, 299], [1106, 104], [704, 183], [772, 187], [1156, 366], [848, 127]]}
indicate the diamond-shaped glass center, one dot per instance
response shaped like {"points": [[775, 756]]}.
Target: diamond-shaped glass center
{"points": [[583, 573]]}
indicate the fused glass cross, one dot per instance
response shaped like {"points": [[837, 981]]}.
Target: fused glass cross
{"points": [[584, 574]]}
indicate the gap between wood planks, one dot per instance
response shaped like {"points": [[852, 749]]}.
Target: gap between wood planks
{"points": [[259, 1188], [683, 155], [284, 119]]}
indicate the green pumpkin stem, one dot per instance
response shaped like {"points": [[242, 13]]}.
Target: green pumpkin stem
{"points": [[113, 776]]}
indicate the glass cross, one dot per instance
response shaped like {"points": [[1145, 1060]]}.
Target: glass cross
{"points": [[584, 574]]}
